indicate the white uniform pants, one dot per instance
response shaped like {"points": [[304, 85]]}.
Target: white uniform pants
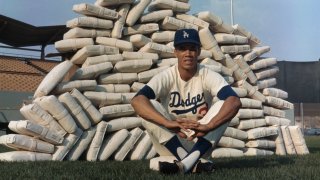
{"points": [[160, 135]]}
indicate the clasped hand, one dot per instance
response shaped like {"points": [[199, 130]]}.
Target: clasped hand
{"points": [[185, 124]]}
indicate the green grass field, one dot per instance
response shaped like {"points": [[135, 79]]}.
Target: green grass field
{"points": [[268, 167]]}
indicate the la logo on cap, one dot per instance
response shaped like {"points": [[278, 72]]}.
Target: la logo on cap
{"points": [[185, 34]]}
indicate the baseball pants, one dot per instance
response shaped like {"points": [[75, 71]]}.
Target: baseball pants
{"points": [[160, 135]]}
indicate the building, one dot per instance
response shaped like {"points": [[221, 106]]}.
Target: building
{"points": [[20, 76]]}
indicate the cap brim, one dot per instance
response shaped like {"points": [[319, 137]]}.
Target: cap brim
{"points": [[188, 41]]}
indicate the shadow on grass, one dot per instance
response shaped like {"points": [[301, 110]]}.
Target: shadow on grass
{"points": [[254, 162], [314, 149], [313, 143]]}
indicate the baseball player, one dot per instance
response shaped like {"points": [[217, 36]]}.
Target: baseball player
{"points": [[185, 92]]}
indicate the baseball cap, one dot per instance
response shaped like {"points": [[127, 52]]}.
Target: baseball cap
{"points": [[183, 36]]}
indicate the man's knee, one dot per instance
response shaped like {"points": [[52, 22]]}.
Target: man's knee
{"points": [[215, 135]]}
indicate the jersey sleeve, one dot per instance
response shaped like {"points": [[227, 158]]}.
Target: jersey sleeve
{"points": [[147, 92], [160, 83], [213, 82], [226, 92]]}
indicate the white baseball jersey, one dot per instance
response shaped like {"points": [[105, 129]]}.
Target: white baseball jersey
{"points": [[186, 98]]}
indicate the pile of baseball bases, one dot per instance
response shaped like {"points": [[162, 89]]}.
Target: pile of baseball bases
{"points": [[82, 107]]}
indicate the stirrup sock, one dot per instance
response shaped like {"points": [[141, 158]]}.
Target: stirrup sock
{"points": [[199, 149], [176, 148]]}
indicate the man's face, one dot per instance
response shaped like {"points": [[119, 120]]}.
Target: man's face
{"points": [[187, 55]]}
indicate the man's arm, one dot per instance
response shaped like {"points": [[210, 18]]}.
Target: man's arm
{"points": [[228, 110], [145, 109]]}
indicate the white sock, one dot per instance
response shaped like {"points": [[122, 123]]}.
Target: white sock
{"points": [[182, 153], [190, 160], [201, 146]]}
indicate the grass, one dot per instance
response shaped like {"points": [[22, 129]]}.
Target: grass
{"points": [[267, 167]]}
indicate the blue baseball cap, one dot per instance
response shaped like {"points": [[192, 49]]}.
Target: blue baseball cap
{"points": [[183, 36]]}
